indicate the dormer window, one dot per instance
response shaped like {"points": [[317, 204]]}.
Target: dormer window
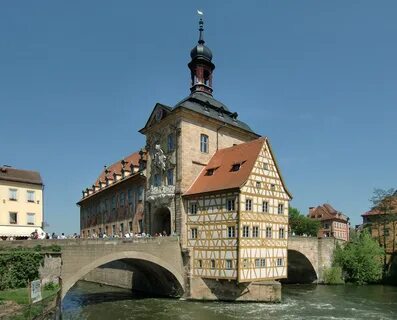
{"points": [[236, 167], [210, 172]]}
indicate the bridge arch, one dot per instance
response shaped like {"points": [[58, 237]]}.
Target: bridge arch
{"points": [[300, 268], [143, 258]]}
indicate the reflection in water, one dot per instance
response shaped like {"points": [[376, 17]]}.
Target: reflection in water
{"points": [[92, 301]]}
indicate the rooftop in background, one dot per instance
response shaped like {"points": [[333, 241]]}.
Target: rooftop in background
{"points": [[327, 212], [18, 175]]}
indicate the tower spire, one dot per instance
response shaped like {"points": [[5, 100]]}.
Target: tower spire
{"points": [[201, 29], [201, 66]]}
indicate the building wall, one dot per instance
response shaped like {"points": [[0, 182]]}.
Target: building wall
{"points": [[384, 232], [105, 211], [21, 205], [334, 228], [263, 185], [212, 245]]}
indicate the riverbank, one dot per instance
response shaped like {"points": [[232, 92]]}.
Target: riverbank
{"points": [[92, 301]]}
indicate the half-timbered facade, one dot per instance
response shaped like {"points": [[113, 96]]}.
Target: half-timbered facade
{"points": [[238, 216]]}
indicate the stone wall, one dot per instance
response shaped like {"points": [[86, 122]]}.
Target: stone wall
{"points": [[50, 271]]}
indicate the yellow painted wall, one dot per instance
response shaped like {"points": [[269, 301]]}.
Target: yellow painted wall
{"points": [[21, 205]]}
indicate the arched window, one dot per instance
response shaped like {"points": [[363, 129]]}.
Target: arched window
{"points": [[204, 143]]}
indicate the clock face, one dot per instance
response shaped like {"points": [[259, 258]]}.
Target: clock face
{"points": [[159, 114]]}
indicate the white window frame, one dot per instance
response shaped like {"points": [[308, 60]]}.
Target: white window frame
{"points": [[229, 264], [16, 217], [281, 233], [230, 204], [255, 232], [269, 232], [248, 204], [265, 206], [280, 208], [231, 231], [204, 143], [193, 206], [28, 221], [13, 194], [193, 233], [246, 231], [280, 262], [32, 194]]}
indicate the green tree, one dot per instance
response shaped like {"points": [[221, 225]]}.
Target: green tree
{"points": [[300, 224], [360, 259]]}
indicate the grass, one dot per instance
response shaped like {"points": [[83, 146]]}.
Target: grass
{"points": [[21, 295]]}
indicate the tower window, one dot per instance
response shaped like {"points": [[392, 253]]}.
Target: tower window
{"points": [[170, 142], [170, 177], [204, 143]]}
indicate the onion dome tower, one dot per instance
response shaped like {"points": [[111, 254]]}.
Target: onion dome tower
{"points": [[201, 66]]}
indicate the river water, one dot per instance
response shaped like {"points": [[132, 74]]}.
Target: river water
{"points": [[92, 301]]}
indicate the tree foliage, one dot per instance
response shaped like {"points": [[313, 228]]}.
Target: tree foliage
{"points": [[302, 225], [360, 259]]}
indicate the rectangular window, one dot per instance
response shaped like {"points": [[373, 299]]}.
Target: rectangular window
{"points": [[113, 229], [212, 264], [246, 231], [255, 232], [258, 184], [280, 262], [30, 196], [231, 231], [265, 206], [280, 209], [13, 194], [204, 143], [122, 199], [122, 228], [13, 218], [229, 264], [193, 207], [30, 219], [130, 226], [200, 263], [248, 204], [263, 262], [268, 232], [230, 205], [193, 233], [170, 142], [170, 177], [107, 230], [129, 196], [257, 263], [265, 166], [272, 187], [281, 233]]}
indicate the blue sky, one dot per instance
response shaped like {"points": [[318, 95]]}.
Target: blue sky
{"points": [[78, 79]]}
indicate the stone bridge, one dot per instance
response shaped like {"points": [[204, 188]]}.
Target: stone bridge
{"points": [[156, 265], [308, 257]]}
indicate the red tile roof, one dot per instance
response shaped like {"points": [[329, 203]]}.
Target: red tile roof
{"points": [[327, 212], [223, 177], [117, 166]]}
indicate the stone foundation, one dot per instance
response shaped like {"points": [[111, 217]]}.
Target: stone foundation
{"points": [[209, 289]]}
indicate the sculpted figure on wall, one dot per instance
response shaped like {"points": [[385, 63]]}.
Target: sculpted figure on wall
{"points": [[159, 157]]}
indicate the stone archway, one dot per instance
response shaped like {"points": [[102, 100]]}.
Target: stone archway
{"points": [[300, 269], [156, 272], [161, 221]]}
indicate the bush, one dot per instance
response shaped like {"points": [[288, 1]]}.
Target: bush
{"points": [[333, 275], [360, 259], [50, 286]]}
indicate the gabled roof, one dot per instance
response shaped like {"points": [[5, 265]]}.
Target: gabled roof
{"points": [[222, 161], [17, 175], [117, 166], [375, 211], [327, 212], [152, 116]]}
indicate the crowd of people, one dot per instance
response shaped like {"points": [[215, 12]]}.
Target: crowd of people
{"points": [[127, 235]]}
